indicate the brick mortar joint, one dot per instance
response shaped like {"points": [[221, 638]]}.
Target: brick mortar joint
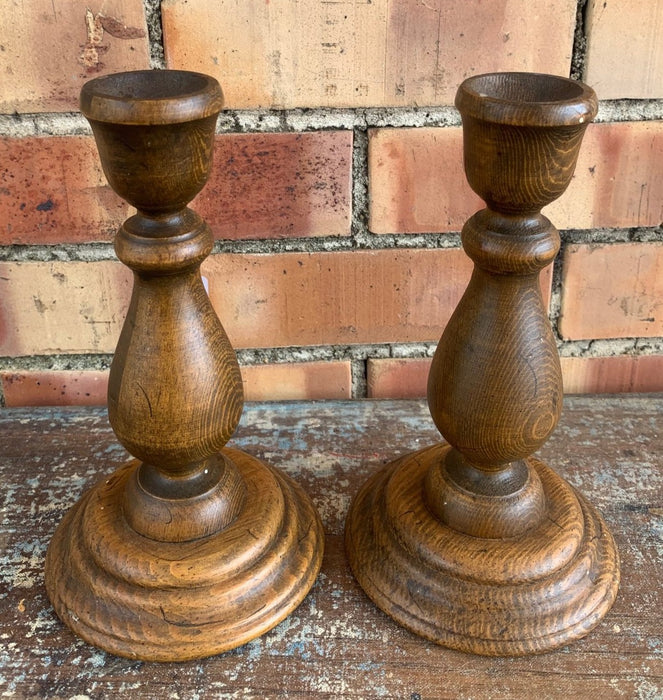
{"points": [[555, 305], [606, 236], [152, 10], [359, 230], [360, 239], [359, 379], [307, 120], [579, 52], [360, 353]]}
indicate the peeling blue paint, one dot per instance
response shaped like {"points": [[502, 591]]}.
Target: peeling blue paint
{"points": [[336, 644]]}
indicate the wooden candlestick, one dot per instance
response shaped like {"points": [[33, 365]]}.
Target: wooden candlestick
{"points": [[475, 544], [192, 548]]}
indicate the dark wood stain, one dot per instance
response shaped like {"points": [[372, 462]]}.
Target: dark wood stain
{"points": [[476, 545], [192, 548]]}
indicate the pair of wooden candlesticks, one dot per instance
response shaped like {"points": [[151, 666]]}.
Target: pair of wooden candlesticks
{"points": [[194, 548]]}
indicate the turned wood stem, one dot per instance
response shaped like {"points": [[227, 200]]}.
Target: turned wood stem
{"points": [[192, 548], [175, 392], [476, 544], [495, 386]]}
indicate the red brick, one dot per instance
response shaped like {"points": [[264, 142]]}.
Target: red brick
{"points": [[62, 307], [336, 298], [55, 388], [387, 378], [279, 185], [623, 52], [618, 180], [51, 47], [362, 54], [417, 183], [362, 296], [52, 190], [396, 378], [301, 380], [285, 299], [273, 382], [612, 375], [612, 291], [408, 378]]}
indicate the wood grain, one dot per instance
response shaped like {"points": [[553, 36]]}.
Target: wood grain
{"points": [[190, 549], [174, 601], [476, 545], [337, 644]]}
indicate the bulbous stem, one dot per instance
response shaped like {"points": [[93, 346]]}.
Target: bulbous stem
{"points": [[475, 544], [190, 550], [495, 389], [175, 393], [175, 390], [495, 385]]}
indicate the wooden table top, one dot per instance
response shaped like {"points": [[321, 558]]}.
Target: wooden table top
{"points": [[337, 644]]}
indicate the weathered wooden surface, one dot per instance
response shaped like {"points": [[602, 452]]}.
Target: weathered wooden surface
{"points": [[337, 644]]}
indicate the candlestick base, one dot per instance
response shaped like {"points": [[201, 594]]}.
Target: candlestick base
{"points": [[501, 596], [162, 601]]}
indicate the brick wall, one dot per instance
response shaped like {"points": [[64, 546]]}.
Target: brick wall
{"points": [[337, 194]]}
